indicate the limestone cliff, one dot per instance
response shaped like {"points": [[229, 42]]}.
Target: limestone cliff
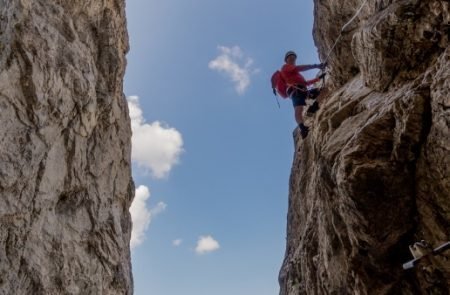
{"points": [[65, 176], [373, 175]]}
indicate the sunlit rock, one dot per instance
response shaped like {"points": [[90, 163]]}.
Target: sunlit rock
{"points": [[65, 171]]}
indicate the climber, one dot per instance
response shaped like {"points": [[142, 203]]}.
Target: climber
{"points": [[297, 87]]}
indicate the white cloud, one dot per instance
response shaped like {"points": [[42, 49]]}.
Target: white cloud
{"points": [[155, 146], [141, 215], [235, 65], [206, 244], [158, 209], [177, 242]]}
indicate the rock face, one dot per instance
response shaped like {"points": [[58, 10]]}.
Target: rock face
{"points": [[65, 171], [373, 175]]}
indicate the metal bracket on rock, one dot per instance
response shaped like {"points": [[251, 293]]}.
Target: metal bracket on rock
{"points": [[421, 250]]}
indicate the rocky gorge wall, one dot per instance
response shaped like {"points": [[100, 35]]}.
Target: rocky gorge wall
{"points": [[373, 175], [65, 135]]}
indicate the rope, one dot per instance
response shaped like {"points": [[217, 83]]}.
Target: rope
{"points": [[344, 27], [278, 103]]}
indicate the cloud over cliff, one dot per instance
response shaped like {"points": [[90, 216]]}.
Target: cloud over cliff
{"points": [[142, 215], [155, 146]]}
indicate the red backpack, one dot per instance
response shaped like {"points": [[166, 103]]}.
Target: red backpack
{"points": [[279, 84]]}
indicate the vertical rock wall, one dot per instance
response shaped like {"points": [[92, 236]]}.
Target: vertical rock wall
{"points": [[65, 171], [373, 176]]}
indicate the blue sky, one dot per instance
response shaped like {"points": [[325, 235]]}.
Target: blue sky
{"points": [[212, 151]]}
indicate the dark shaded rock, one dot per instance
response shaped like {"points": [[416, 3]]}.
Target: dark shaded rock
{"points": [[373, 175]]}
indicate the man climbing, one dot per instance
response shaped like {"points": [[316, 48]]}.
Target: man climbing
{"points": [[297, 88]]}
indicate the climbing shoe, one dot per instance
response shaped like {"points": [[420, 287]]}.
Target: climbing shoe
{"points": [[303, 130], [313, 108]]}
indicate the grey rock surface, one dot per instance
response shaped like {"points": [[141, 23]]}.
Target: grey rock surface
{"points": [[65, 143], [373, 175]]}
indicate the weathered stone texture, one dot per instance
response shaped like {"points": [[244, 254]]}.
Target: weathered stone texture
{"points": [[65, 171], [373, 176]]}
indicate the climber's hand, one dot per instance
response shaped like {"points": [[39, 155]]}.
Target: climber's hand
{"points": [[323, 65]]}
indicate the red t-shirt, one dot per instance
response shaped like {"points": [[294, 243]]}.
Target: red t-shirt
{"points": [[292, 76]]}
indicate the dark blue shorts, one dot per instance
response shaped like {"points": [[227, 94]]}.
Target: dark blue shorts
{"points": [[299, 96]]}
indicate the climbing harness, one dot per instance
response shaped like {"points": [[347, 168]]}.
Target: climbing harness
{"points": [[421, 250], [344, 27], [304, 90]]}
